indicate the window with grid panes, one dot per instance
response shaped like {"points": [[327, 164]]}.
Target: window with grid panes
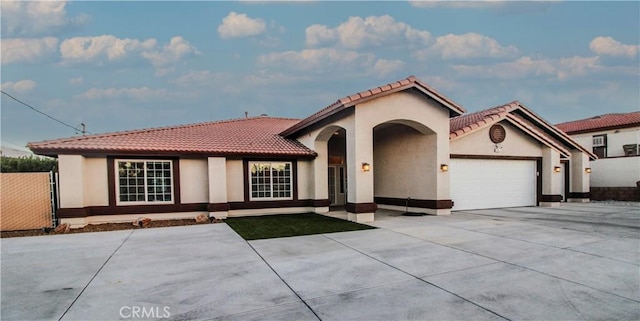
{"points": [[144, 182], [270, 180]]}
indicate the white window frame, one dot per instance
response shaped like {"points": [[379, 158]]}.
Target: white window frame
{"points": [[271, 198], [145, 202], [600, 139]]}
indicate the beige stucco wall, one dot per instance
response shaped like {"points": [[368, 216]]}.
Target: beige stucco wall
{"points": [[71, 181], [400, 154], [615, 172], [516, 143], [194, 183], [235, 181], [95, 182], [407, 108], [615, 139], [402, 107], [305, 177]]}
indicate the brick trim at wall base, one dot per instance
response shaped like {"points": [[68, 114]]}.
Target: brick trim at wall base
{"points": [[627, 194], [431, 204], [550, 198], [181, 208], [579, 195], [357, 208]]}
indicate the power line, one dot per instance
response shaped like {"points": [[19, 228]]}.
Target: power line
{"points": [[43, 113]]}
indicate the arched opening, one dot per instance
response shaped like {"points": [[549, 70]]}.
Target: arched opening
{"points": [[336, 156], [405, 163]]}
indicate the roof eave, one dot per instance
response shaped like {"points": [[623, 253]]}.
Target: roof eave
{"points": [[600, 129], [54, 152], [567, 140]]}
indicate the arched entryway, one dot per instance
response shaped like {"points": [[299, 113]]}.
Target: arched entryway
{"points": [[406, 168], [337, 169]]}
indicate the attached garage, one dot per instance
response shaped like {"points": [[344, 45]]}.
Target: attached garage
{"points": [[492, 183]]}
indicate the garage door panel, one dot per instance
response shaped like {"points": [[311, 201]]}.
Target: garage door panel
{"points": [[490, 183]]}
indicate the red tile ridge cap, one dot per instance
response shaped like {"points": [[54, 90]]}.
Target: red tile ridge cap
{"points": [[494, 114], [350, 100]]}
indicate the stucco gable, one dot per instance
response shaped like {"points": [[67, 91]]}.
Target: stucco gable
{"points": [[521, 117], [337, 109]]}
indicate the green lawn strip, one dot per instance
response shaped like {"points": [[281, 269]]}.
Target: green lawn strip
{"points": [[283, 225]]}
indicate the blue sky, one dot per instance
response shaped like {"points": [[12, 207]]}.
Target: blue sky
{"points": [[128, 65]]}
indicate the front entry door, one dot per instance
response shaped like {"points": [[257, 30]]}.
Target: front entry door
{"points": [[337, 185]]}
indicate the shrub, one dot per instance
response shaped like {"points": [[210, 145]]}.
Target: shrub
{"points": [[27, 164]]}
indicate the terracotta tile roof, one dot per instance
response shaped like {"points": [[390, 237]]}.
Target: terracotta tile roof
{"points": [[461, 125], [602, 122], [527, 120], [246, 136], [349, 101]]}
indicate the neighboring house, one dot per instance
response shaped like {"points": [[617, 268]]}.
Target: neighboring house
{"points": [[615, 139], [391, 146], [14, 152]]}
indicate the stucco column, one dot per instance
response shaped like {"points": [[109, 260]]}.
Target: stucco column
{"points": [[360, 206], [442, 185], [218, 201], [320, 175], [71, 180], [551, 180], [579, 183]]}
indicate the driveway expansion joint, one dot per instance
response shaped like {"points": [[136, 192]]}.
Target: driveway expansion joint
{"points": [[96, 274], [283, 281], [419, 279]]}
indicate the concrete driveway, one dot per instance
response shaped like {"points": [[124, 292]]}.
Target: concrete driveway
{"points": [[575, 262]]}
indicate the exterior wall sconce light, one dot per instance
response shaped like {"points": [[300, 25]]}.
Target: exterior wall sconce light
{"points": [[366, 167], [557, 169], [587, 170], [444, 167]]}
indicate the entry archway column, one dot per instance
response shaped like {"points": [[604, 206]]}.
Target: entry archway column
{"points": [[360, 205], [579, 190]]}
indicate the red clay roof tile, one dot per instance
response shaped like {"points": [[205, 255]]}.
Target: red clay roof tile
{"points": [[348, 101], [246, 136], [602, 122], [465, 123]]}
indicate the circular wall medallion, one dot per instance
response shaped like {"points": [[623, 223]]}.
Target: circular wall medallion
{"points": [[497, 134]]}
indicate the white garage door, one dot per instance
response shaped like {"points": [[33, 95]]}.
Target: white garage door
{"points": [[490, 183]]}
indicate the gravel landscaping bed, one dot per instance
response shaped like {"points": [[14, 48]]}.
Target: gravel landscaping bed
{"points": [[102, 228]]}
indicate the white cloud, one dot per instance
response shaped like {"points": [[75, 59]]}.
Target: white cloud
{"points": [[174, 51], [320, 60], [21, 87], [440, 83], [562, 68], [35, 18], [108, 48], [140, 93], [18, 50], [236, 25], [607, 46], [373, 31], [384, 67], [469, 45], [76, 81], [91, 49]]}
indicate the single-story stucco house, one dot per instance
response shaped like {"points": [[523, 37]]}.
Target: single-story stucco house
{"points": [[380, 148]]}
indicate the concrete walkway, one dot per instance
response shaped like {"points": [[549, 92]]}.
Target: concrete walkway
{"points": [[575, 262]]}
